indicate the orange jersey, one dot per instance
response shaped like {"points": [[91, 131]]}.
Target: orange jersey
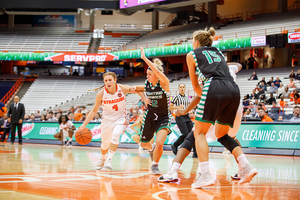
{"points": [[267, 119]]}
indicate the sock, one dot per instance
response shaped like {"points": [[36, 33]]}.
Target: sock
{"points": [[240, 168], [242, 160], [103, 156], [154, 163], [70, 139], [110, 154], [175, 167], [152, 148], [204, 167]]}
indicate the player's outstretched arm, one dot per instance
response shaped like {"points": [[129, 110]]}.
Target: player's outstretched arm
{"points": [[95, 109], [192, 105], [162, 77]]}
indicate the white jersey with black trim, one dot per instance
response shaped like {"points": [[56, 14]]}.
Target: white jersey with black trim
{"points": [[114, 105]]}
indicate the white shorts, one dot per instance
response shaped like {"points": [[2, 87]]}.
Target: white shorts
{"points": [[108, 128], [232, 131]]}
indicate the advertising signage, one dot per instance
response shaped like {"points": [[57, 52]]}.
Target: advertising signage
{"points": [[258, 41], [294, 37], [132, 3]]}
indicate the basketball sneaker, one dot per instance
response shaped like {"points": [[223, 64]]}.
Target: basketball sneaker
{"points": [[155, 169], [237, 176], [107, 165], [100, 164], [168, 177], [69, 143], [203, 181], [247, 174]]}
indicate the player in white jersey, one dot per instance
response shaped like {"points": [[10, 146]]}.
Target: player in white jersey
{"points": [[189, 142], [114, 122]]}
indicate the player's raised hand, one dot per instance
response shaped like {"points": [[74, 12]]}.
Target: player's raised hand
{"points": [[142, 53]]}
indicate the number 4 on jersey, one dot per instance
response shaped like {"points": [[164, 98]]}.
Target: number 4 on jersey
{"points": [[115, 107]]}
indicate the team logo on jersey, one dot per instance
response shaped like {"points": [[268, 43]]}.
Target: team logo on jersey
{"points": [[119, 95]]}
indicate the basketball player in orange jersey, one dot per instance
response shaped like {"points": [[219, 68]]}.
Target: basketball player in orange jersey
{"points": [[114, 122], [157, 116]]}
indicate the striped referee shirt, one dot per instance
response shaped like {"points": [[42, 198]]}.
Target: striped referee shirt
{"points": [[180, 100]]}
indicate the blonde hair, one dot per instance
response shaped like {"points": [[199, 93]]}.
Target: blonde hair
{"points": [[205, 36], [113, 74], [159, 64]]}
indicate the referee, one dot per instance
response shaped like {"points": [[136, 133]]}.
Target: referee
{"points": [[183, 122]]}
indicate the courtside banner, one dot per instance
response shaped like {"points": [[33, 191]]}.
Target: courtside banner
{"points": [[120, 55], [285, 136]]}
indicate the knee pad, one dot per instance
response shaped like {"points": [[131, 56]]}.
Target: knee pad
{"points": [[189, 142], [228, 142], [117, 131]]}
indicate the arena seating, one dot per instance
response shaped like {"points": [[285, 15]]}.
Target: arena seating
{"points": [[116, 43], [266, 24], [46, 92], [28, 39]]}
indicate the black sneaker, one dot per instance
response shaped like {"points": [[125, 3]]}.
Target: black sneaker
{"points": [[174, 149]]}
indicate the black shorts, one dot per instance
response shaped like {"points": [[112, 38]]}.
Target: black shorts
{"points": [[152, 123], [219, 102]]}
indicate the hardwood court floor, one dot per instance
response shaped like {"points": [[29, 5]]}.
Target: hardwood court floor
{"points": [[38, 172]]}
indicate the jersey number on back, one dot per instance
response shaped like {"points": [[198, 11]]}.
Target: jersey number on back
{"points": [[115, 107], [211, 56]]}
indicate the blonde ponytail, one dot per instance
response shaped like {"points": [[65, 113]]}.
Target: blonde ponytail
{"points": [[158, 63], [205, 37]]}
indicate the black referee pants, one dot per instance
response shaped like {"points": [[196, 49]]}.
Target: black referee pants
{"points": [[185, 126]]}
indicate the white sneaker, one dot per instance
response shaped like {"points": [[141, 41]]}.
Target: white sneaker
{"points": [[168, 177], [247, 174], [107, 165], [100, 164], [203, 181], [155, 169], [236, 176]]}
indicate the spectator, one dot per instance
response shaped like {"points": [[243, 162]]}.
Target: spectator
{"points": [[253, 108], [192, 115], [297, 76], [253, 95], [72, 109], [296, 99], [253, 76], [275, 109], [277, 82], [84, 110], [5, 127], [26, 117], [49, 73], [270, 100], [293, 94], [3, 109], [256, 89], [32, 117], [47, 117], [43, 118], [296, 117], [262, 80], [280, 90], [83, 117], [134, 116], [251, 61], [291, 84], [97, 118], [263, 115], [66, 129], [75, 73], [282, 104], [292, 74], [273, 89], [51, 117], [71, 117], [280, 118], [245, 101], [57, 117], [270, 81], [286, 93], [248, 113], [262, 89]]}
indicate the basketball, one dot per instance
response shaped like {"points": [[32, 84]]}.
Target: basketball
{"points": [[83, 136]]}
